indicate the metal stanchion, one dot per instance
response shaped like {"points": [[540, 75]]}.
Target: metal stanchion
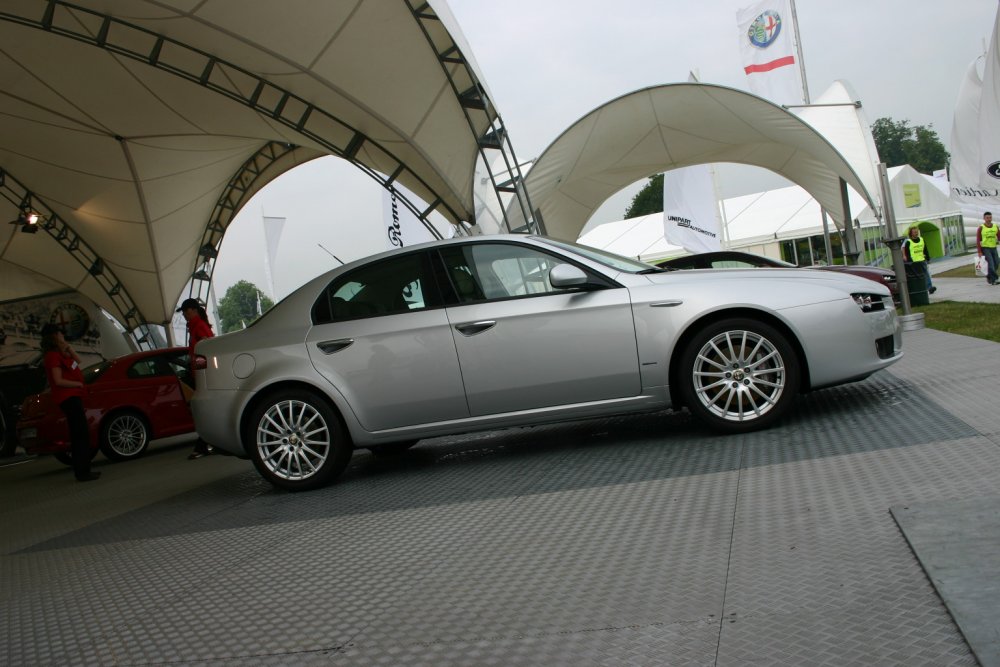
{"points": [[910, 320]]}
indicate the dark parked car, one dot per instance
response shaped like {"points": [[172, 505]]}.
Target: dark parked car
{"points": [[735, 259], [130, 401], [17, 381]]}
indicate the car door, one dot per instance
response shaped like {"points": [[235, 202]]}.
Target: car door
{"points": [[175, 411], [524, 344], [150, 386], [381, 337]]}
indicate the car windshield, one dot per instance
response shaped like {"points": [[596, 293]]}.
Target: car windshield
{"points": [[602, 256]]}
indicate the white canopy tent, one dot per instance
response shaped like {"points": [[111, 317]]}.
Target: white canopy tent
{"points": [[138, 128], [677, 125], [759, 221]]}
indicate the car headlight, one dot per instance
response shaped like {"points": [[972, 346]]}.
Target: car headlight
{"points": [[868, 302]]}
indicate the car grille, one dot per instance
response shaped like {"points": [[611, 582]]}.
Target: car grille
{"points": [[885, 347]]}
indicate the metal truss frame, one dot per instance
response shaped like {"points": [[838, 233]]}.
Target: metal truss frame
{"points": [[494, 144], [281, 105], [25, 200], [240, 188]]}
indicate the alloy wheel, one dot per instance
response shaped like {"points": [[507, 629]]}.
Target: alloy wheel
{"points": [[739, 375], [293, 440]]}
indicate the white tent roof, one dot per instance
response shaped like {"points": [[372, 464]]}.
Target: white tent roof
{"points": [[838, 116], [764, 217], [128, 119], [676, 125]]}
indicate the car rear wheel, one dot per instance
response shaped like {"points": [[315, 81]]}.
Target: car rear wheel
{"points": [[124, 436], [298, 442], [739, 375]]}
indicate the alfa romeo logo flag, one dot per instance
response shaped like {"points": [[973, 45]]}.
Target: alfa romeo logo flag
{"points": [[768, 51]]}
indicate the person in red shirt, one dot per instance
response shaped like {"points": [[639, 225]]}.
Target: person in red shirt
{"points": [[198, 329], [62, 369]]}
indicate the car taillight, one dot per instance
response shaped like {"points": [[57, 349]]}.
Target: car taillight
{"points": [[200, 363]]}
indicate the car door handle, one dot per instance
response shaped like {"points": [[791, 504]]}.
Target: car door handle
{"points": [[473, 328], [331, 346]]}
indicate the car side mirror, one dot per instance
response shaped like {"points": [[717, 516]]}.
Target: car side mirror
{"points": [[565, 276]]}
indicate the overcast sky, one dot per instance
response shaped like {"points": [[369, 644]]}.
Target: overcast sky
{"points": [[549, 62]]}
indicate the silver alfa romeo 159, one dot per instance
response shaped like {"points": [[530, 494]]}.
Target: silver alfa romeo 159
{"points": [[496, 331]]}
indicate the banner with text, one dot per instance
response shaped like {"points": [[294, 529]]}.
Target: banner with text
{"points": [[402, 227], [690, 209], [975, 147]]}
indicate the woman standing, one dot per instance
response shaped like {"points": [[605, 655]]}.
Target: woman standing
{"points": [[198, 329], [62, 369]]}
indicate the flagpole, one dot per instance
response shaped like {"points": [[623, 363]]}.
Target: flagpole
{"points": [[720, 208], [798, 52]]}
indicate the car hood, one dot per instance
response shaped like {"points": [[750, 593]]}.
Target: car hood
{"points": [[768, 279]]}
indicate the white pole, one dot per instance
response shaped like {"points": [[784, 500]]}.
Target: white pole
{"points": [[720, 208], [798, 53], [267, 256]]}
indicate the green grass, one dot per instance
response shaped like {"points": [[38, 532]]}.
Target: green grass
{"points": [[967, 271], [979, 320]]}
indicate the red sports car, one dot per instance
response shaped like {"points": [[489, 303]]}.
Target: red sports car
{"points": [[130, 401]]}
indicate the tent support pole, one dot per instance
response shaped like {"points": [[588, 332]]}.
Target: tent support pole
{"points": [[851, 251]]}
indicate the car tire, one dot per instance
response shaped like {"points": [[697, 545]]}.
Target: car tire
{"points": [[66, 458], [739, 375], [390, 449], [124, 436], [296, 440]]}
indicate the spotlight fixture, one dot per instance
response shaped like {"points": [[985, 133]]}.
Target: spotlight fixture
{"points": [[28, 220]]}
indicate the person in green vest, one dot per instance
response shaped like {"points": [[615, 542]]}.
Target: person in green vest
{"points": [[915, 250], [986, 244]]}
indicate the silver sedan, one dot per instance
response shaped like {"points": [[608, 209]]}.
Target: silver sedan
{"points": [[487, 332]]}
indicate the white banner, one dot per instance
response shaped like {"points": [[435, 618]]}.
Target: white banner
{"points": [[768, 51], [975, 161], [272, 235], [690, 210], [402, 227]]}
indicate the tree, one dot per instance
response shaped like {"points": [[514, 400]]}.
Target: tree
{"points": [[239, 306], [919, 146], [648, 200]]}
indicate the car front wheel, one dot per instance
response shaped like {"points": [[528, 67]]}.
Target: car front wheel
{"points": [[739, 375], [124, 436], [298, 443]]}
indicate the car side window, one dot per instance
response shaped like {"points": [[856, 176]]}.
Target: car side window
{"points": [[144, 368], [486, 271], [392, 286]]}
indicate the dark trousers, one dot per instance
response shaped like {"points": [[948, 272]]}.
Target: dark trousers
{"points": [[79, 435]]}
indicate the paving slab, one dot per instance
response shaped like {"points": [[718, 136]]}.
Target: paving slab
{"points": [[629, 540], [958, 545]]}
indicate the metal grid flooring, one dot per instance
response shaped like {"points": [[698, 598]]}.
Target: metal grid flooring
{"points": [[640, 540]]}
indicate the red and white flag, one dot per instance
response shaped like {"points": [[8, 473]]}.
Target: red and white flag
{"points": [[768, 50]]}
